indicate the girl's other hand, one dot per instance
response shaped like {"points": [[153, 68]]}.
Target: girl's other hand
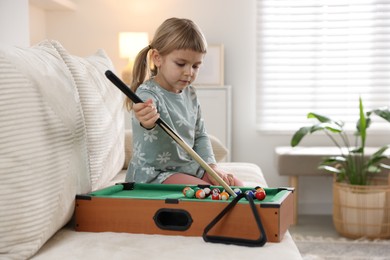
{"points": [[225, 176]]}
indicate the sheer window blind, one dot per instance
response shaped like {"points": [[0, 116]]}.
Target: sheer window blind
{"points": [[320, 56]]}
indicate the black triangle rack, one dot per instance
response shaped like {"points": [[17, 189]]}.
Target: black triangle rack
{"points": [[232, 240]]}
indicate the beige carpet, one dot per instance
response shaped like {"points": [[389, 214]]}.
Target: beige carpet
{"points": [[330, 248], [317, 239]]}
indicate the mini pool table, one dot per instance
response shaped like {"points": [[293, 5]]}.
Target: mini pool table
{"points": [[163, 209]]}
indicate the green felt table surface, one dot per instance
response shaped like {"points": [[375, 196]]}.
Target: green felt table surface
{"points": [[174, 191]]}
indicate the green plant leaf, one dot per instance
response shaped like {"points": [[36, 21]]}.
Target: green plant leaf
{"points": [[378, 155], [381, 150], [373, 169], [319, 117], [333, 159], [329, 169], [325, 119], [357, 150], [331, 126], [362, 124], [381, 112], [297, 137], [375, 159], [384, 166]]}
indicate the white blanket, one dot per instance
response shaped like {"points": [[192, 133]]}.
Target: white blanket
{"points": [[69, 244]]}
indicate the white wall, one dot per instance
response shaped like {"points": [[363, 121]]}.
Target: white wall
{"points": [[96, 24], [14, 22], [37, 24]]}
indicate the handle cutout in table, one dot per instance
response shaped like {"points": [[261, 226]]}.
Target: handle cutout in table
{"points": [[173, 219]]}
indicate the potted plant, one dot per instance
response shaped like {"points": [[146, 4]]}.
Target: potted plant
{"points": [[354, 171]]}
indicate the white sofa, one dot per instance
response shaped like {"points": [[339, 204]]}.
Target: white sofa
{"points": [[62, 133]]}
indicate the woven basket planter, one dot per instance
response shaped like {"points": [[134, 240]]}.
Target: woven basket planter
{"points": [[362, 211]]}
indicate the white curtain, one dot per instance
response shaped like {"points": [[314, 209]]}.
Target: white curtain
{"points": [[320, 56]]}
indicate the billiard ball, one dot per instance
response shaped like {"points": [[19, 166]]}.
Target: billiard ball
{"points": [[260, 194], [258, 188], [237, 191], [207, 191], [215, 190], [250, 194], [215, 196], [190, 193], [224, 195], [185, 189], [199, 194]]}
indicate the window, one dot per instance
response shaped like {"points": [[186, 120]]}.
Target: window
{"points": [[320, 56]]}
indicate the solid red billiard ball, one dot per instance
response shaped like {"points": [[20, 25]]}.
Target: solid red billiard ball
{"points": [[260, 194]]}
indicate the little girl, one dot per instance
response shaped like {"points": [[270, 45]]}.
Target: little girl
{"points": [[176, 54]]}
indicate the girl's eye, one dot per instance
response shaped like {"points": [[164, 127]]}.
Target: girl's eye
{"points": [[180, 64]]}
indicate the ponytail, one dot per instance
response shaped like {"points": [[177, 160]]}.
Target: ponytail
{"points": [[140, 71]]}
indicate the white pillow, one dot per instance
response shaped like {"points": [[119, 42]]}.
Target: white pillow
{"points": [[43, 157], [103, 110]]}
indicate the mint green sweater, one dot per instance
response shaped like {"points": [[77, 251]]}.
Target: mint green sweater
{"points": [[156, 156]]}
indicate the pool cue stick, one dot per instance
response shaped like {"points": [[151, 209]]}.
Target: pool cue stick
{"points": [[130, 94]]}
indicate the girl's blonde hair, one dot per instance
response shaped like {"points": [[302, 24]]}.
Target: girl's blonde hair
{"points": [[172, 34]]}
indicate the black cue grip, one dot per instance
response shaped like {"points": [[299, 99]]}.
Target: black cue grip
{"points": [[123, 87], [130, 94]]}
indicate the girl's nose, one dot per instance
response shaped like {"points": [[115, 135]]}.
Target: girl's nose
{"points": [[189, 70]]}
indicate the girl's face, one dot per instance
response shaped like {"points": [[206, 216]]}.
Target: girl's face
{"points": [[177, 69]]}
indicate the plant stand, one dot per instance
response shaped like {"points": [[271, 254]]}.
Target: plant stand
{"points": [[362, 211]]}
